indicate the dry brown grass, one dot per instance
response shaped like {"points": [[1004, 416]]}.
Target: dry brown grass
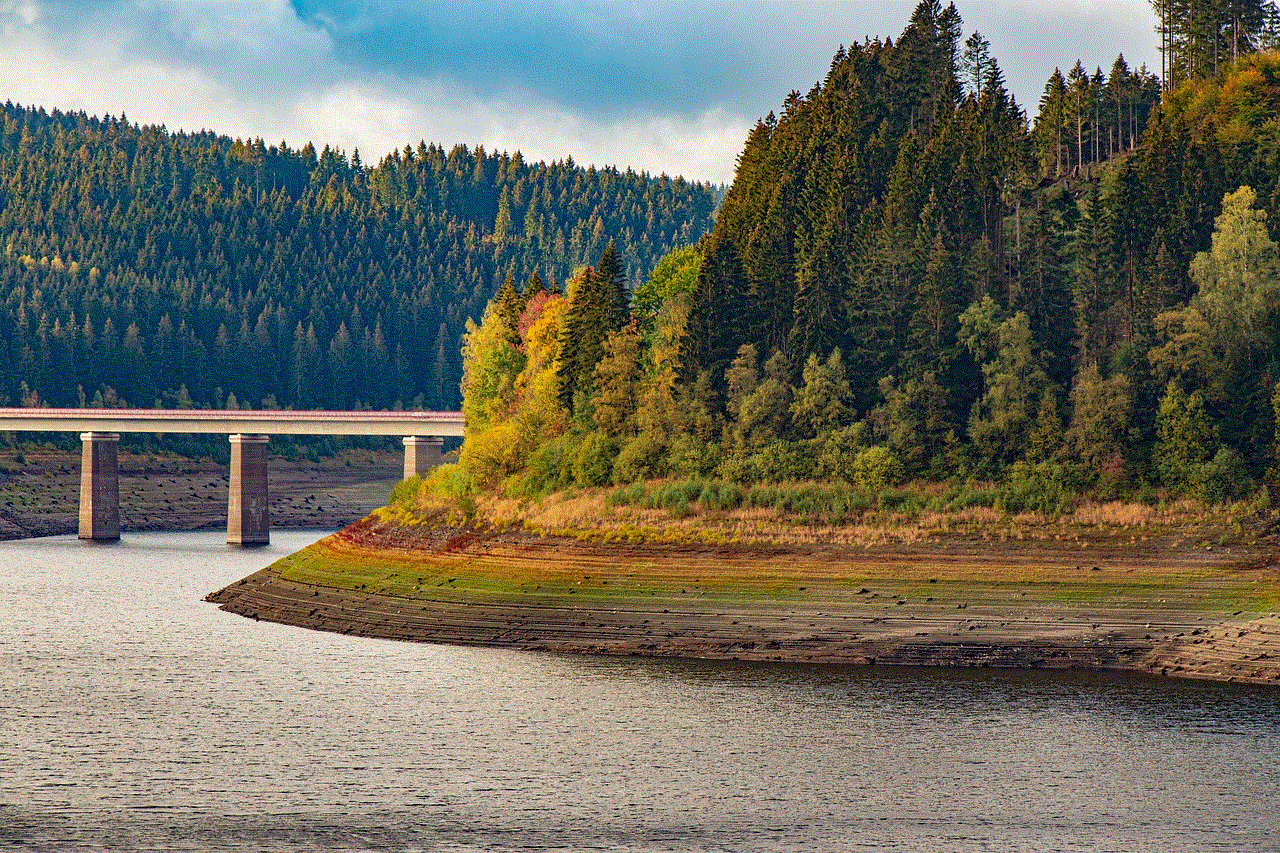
{"points": [[974, 515], [1115, 514], [584, 514]]}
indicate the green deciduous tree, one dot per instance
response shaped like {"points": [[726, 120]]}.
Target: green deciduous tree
{"points": [[914, 422], [1099, 435], [617, 382], [765, 413], [824, 401], [1186, 437], [1014, 380]]}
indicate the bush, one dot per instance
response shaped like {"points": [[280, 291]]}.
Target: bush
{"points": [[839, 451], [830, 504], [550, 467], [877, 468], [641, 458], [593, 461], [675, 495], [962, 496], [405, 493], [720, 496], [453, 483], [785, 460], [908, 501], [497, 452], [1045, 487], [1223, 478], [633, 495], [739, 467], [688, 456]]}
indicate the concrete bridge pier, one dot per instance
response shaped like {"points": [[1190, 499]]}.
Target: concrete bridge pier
{"points": [[100, 486], [247, 517], [421, 454]]}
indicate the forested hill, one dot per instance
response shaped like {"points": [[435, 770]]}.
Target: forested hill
{"points": [[910, 279], [139, 265], [988, 308]]}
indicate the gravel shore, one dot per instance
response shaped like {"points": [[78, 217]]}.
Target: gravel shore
{"points": [[1166, 608]]}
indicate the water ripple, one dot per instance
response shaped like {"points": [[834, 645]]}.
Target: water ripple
{"points": [[135, 717]]}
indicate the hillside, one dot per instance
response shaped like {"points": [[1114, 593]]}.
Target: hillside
{"points": [[910, 281], [140, 265]]}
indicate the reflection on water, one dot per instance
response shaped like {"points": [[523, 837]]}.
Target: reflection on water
{"points": [[135, 716]]}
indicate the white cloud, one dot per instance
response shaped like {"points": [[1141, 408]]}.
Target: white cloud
{"points": [[250, 68], [379, 119], [238, 75]]}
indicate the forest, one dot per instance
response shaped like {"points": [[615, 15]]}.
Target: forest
{"points": [[142, 267], [910, 279]]}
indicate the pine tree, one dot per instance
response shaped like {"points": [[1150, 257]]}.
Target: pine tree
{"points": [[715, 330], [598, 305]]}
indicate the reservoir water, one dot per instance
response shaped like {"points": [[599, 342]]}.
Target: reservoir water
{"points": [[133, 716]]}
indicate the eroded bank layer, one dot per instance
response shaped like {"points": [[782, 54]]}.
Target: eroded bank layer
{"points": [[1167, 608]]}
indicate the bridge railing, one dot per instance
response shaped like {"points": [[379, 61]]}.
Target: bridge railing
{"points": [[232, 421]]}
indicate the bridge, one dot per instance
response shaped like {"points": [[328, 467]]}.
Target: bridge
{"points": [[248, 522]]}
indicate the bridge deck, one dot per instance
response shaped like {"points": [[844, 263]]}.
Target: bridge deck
{"points": [[228, 422]]}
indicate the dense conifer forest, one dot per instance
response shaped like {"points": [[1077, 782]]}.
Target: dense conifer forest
{"points": [[140, 266], [910, 278]]}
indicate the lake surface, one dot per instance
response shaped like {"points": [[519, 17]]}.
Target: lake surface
{"points": [[133, 716]]}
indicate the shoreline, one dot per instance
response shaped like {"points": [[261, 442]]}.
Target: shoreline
{"points": [[1169, 609]]}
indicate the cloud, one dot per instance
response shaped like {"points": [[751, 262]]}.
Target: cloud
{"points": [[661, 86], [595, 56]]}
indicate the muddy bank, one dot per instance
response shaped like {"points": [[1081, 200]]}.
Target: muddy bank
{"points": [[40, 495], [1170, 607]]}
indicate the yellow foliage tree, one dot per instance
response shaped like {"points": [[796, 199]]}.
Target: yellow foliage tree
{"points": [[510, 389]]}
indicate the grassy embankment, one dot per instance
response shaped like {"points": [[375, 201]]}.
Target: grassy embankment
{"points": [[929, 544], [926, 576]]}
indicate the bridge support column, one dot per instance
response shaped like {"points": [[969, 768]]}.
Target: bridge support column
{"points": [[247, 517], [99, 486], [421, 454]]}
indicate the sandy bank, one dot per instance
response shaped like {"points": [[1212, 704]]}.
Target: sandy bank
{"points": [[1170, 605]]}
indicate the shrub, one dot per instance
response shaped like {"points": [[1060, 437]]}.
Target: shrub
{"points": [[839, 451], [549, 467], [405, 493], [497, 452], [1045, 487], [593, 460], [877, 468], [641, 458], [1222, 478], [907, 501], [828, 503], [962, 496], [633, 495], [781, 460], [688, 456], [720, 496], [453, 483], [739, 467], [676, 495]]}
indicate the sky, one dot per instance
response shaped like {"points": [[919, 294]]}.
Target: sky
{"points": [[664, 87]]}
